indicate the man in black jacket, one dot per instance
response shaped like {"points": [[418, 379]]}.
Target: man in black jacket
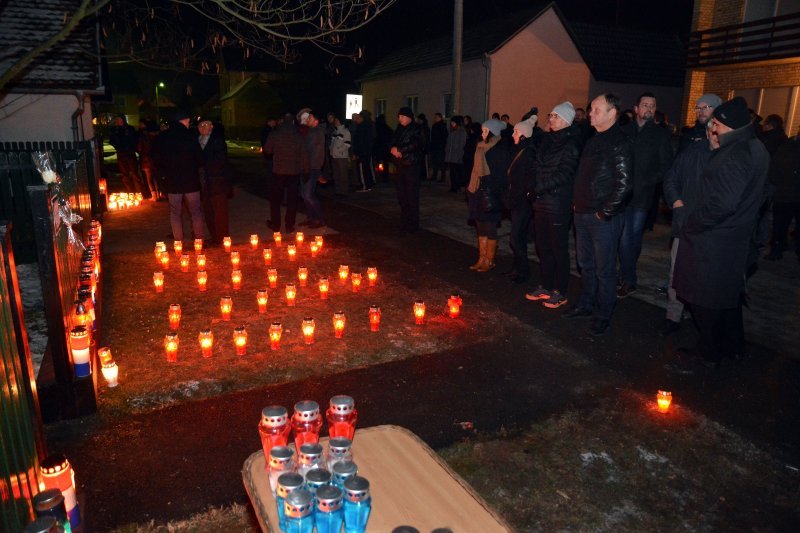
{"points": [[363, 141], [717, 235], [437, 144], [216, 182], [652, 156], [125, 140], [602, 188], [407, 145], [177, 155]]}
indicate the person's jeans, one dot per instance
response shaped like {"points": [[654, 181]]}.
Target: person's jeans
{"points": [[281, 182], [313, 210], [195, 206], [596, 243], [340, 175], [674, 306], [552, 247], [630, 245]]}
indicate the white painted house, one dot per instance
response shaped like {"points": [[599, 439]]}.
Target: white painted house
{"points": [[532, 58]]}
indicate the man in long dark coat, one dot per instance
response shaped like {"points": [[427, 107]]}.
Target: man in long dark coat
{"points": [[717, 235]]}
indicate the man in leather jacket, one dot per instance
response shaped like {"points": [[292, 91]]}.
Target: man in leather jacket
{"points": [[407, 145], [602, 188]]}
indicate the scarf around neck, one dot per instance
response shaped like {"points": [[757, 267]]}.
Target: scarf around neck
{"points": [[481, 167]]}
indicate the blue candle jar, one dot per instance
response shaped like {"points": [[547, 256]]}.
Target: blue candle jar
{"points": [[357, 504], [339, 449], [342, 471], [329, 513], [299, 507], [310, 456], [288, 482], [316, 478]]}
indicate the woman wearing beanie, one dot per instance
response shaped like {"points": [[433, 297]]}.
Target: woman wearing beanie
{"points": [[520, 175], [487, 181], [556, 163]]}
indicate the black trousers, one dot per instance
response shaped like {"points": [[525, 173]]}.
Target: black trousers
{"points": [[291, 183], [215, 207], [521, 216], [721, 332], [408, 179], [552, 247], [456, 176], [782, 215]]}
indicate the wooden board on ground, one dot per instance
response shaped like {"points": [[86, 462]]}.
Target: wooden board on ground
{"points": [[409, 484]]}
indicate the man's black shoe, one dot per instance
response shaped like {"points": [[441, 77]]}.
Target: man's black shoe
{"points": [[668, 327], [599, 327], [576, 312]]}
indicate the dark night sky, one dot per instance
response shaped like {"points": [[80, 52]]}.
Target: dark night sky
{"points": [[410, 20]]}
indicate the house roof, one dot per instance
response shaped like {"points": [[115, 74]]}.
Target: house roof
{"points": [[70, 65], [612, 54]]}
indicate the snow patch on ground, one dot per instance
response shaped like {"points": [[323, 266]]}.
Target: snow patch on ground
{"points": [[588, 458], [651, 457], [181, 391]]}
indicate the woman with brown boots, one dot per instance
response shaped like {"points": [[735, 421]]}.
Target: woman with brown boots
{"points": [[487, 181]]}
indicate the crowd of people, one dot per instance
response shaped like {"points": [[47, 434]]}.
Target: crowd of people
{"points": [[729, 181]]}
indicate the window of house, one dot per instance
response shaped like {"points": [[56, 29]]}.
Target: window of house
{"points": [[413, 103], [772, 101], [380, 106], [447, 104], [752, 96], [762, 9]]}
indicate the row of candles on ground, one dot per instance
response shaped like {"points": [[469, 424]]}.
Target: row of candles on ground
{"points": [[319, 490], [275, 332], [124, 200], [315, 246], [356, 279]]}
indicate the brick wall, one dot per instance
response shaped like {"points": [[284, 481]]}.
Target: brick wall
{"points": [[714, 13]]}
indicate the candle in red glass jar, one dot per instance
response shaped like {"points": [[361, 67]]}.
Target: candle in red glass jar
{"points": [[171, 347], [174, 315], [344, 273], [198, 246], [314, 249], [225, 307], [355, 280], [302, 276], [201, 262], [202, 280], [324, 286], [184, 263], [235, 259], [267, 256], [262, 297], [274, 428], [372, 276], [206, 340], [319, 240], [342, 416], [275, 331], [158, 281], [339, 321], [419, 312], [236, 279], [164, 260], [292, 251], [277, 238], [272, 277], [240, 340], [178, 247], [454, 305], [226, 243], [306, 423], [299, 237], [254, 241], [374, 318], [308, 328], [291, 294]]}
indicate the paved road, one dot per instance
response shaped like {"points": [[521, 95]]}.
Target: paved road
{"points": [[179, 460]]}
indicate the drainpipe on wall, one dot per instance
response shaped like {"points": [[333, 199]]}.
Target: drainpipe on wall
{"points": [[487, 64], [78, 112]]}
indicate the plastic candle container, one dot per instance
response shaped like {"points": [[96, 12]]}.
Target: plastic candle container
{"points": [[274, 428], [79, 345], [329, 514], [306, 423], [357, 504], [316, 478], [342, 416], [280, 461], [310, 457], [299, 507], [342, 471], [339, 449], [288, 482]]}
